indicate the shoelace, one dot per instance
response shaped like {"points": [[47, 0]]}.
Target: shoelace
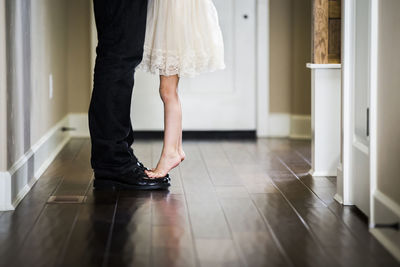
{"points": [[139, 172], [141, 165]]}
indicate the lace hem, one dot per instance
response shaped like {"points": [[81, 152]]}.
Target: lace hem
{"points": [[189, 64]]}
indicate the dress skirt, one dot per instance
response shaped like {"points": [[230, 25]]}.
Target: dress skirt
{"points": [[183, 38]]}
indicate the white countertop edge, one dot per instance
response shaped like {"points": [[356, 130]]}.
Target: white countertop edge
{"points": [[324, 66]]}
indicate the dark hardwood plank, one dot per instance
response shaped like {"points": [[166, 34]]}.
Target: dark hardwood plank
{"points": [[239, 203], [357, 224], [45, 241], [130, 239], [290, 230], [16, 225], [78, 177], [248, 229], [213, 240], [206, 215], [252, 236], [87, 242], [335, 236], [218, 165], [53, 225], [172, 241], [274, 207], [63, 162]]}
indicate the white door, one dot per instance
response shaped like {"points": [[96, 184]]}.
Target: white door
{"points": [[224, 100], [360, 106]]}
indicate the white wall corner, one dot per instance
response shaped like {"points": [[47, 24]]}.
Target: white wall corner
{"points": [[339, 185], [263, 62], [287, 125], [300, 127], [278, 125], [79, 124], [5, 192]]}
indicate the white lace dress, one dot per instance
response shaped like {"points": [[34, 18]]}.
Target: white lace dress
{"points": [[182, 37]]}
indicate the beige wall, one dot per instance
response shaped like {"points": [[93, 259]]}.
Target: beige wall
{"points": [[388, 144], [49, 57], [290, 50], [301, 54], [48, 37], [79, 74], [280, 55]]}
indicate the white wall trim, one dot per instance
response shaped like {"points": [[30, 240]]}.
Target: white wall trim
{"points": [[348, 42], [323, 66], [278, 125], [38, 158], [360, 146], [40, 170], [388, 202], [339, 186], [5, 192], [300, 127], [24, 158], [285, 125], [338, 198], [79, 122], [383, 209], [263, 65], [373, 105], [383, 236]]}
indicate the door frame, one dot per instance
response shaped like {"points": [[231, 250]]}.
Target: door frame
{"points": [[263, 68], [262, 63], [344, 183]]}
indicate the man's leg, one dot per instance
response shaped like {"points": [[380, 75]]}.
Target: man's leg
{"points": [[121, 30]]}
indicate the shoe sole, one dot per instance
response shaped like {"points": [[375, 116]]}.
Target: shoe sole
{"points": [[114, 185]]}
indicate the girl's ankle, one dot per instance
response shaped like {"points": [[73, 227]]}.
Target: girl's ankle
{"points": [[172, 153]]}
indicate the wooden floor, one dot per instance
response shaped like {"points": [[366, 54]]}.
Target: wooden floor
{"points": [[231, 204]]}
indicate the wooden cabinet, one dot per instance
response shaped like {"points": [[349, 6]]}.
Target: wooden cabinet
{"points": [[326, 31]]}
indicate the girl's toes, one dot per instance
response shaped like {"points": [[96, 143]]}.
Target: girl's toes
{"points": [[150, 174]]}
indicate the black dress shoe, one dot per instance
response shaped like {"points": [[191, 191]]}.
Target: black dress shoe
{"points": [[135, 179]]}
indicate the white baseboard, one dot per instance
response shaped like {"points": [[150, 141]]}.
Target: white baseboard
{"points": [[390, 239], [291, 126], [80, 123], [339, 184], [23, 174], [5, 192], [386, 211], [321, 173], [338, 198], [279, 125], [300, 127]]}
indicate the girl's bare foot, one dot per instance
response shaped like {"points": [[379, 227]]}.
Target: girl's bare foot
{"points": [[182, 154], [166, 163]]}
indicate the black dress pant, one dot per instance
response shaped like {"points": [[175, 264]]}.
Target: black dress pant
{"points": [[121, 26]]}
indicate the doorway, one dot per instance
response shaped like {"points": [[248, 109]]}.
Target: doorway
{"points": [[223, 100]]}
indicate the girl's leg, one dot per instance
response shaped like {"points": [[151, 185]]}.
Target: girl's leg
{"points": [[180, 147], [170, 155]]}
